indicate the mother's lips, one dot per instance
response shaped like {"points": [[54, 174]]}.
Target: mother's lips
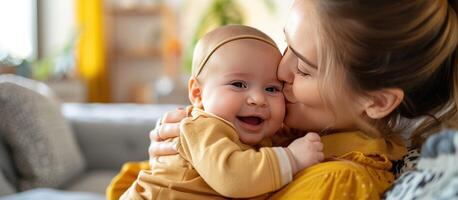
{"points": [[288, 97]]}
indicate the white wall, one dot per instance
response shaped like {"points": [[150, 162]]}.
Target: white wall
{"points": [[272, 24], [57, 24], [257, 15], [17, 34]]}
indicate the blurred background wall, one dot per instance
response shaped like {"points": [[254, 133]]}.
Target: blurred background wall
{"points": [[134, 51]]}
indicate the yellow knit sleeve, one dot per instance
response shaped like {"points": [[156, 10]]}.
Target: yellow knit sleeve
{"points": [[125, 178], [335, 180], [229, 167]]}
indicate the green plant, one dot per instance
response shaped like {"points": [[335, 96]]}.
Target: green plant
{"points": [[219, 13], [57, 65]]}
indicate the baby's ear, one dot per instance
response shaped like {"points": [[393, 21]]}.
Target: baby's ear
{"points": [[382, 102], [195, 92]]}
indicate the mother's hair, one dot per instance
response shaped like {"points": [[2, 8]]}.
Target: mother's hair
{"points": [[404, 44]]}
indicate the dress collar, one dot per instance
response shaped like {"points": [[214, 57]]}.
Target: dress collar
{"points": [[338, 144], [197, 112]]}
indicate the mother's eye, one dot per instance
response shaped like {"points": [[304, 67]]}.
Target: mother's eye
{"points": [[239, 84], [302, 73]]}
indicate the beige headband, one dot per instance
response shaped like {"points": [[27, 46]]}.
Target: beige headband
{"points": [[204, 61]]}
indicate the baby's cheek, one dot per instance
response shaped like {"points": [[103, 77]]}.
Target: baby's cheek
{"points": [[224, 104], [214, 106], [278, 112], [280, 107]]}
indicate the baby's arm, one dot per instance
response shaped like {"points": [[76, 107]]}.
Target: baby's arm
{"points": [[211, 146]]}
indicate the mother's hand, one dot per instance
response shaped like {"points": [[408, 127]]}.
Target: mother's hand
{"points": [[169, 127]]}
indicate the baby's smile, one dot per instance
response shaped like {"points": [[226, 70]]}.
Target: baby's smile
{"points": [[251, 122]]}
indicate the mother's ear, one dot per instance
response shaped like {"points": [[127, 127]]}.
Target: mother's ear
{"points": [[382, 102], [195, 92]]}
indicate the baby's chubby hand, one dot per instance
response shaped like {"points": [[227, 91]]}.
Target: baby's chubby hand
{"points": [[306, 151]]}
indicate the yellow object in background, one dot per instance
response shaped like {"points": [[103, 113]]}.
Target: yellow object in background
{"points": [[125, 178], [91, 57]]}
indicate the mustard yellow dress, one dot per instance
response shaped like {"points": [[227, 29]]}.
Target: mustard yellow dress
{"points": [[357, 166]]}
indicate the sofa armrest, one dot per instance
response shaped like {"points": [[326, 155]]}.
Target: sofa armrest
{"points": [[111, 134]]}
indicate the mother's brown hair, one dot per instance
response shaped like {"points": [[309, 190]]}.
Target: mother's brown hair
{"points": [[406, 44]]}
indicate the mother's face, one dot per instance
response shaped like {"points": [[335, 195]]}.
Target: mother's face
{"points": [[298, 69]]}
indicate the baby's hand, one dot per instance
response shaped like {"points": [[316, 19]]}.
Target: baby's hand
{"points": [[306, 151]]}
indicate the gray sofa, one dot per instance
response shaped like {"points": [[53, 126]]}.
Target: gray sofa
{"points": [[50, 150]]}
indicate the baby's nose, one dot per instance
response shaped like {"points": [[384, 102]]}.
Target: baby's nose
{"points": [[256, 99]]}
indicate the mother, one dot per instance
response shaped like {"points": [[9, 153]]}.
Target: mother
{"points": [[376, 66]]}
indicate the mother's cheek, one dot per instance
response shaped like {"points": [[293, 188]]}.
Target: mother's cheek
{"points": [[293, 117], [306, 92]]}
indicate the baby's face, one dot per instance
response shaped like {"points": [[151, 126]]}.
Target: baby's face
{"points": [[240, 85]]}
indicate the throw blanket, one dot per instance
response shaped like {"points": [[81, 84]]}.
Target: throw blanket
{"points": [[436, 176]]}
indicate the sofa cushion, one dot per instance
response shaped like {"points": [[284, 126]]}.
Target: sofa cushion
{"points": [[43, 147], [123, 129], [34, 85], [7, 167], [5, 186], [95, 181], [53, 194]]}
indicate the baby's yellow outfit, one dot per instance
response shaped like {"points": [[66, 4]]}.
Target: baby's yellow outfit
{"points": [[356, 167], [212, 162]]}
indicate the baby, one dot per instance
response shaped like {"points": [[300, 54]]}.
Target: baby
{"points": [[224, 147]]}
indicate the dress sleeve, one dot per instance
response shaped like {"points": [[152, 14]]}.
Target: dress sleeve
{"points": [[335, 180], [125, 179], [212, 147]]}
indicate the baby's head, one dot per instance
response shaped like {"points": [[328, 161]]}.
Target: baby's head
{"points": [[234, 76]]}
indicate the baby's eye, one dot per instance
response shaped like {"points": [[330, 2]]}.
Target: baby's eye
{"points": [[273, 89], [239, 84]]}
